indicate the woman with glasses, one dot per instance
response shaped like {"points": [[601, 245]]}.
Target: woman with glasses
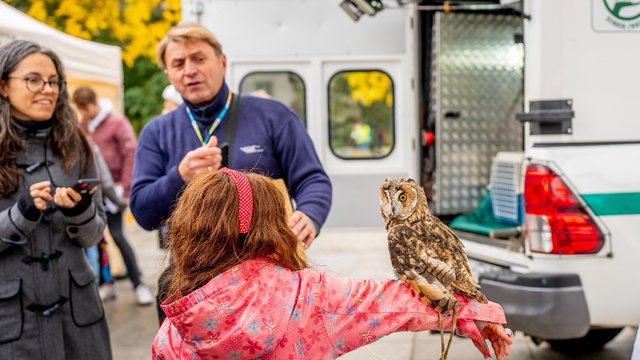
{"points": [[49, 304]]}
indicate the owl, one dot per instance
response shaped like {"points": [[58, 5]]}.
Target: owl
{"points": [[425, 252], [423, 249]]}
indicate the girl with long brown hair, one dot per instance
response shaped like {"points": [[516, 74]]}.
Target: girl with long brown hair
{"points": [[240, 290]]}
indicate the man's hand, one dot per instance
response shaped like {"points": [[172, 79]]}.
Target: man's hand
{"points": [[205, 158], [41, 194], [303, 228]]}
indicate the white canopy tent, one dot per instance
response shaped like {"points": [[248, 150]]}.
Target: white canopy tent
{"points": [[86, 62]]}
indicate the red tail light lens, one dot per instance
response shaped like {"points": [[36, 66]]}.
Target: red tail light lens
{"points": [[556, 221]]}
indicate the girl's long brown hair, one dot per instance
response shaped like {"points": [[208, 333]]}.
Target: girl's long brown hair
{"points": [[204, 237]]}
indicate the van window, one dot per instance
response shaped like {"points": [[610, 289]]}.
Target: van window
{"points": [[285, 86], [361, 120]]}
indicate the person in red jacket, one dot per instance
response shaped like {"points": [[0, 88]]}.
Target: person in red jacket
{"points": [[114, 136]]}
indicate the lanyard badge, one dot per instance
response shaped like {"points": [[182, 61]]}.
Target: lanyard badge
{"points": [[215, 124]]}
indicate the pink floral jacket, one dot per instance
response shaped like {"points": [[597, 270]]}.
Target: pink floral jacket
{"points": [[259, 310]]}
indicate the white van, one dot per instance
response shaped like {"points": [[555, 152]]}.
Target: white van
{"points": [[519, 120]]}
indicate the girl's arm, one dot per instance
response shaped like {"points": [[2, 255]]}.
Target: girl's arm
{"points": [[357, 312]]}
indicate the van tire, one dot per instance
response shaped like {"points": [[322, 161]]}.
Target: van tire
{"points": [[593, 341]]}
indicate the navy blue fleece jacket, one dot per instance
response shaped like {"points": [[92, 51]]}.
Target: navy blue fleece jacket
{"points": [[270, 140]]}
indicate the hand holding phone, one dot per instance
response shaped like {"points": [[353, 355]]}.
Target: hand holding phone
{"points": [[86, 186]]}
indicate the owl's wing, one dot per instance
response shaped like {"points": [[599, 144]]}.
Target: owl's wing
{"points": [[455, 256], [408, 251], [429, 277]]}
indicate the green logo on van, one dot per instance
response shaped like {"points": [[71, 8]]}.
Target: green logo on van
{"points": [[615, 15], [623, 10]]}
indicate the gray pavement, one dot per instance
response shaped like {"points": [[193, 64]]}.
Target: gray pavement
{"points": [[355, 253]]}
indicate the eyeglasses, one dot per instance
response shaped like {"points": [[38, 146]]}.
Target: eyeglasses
{"points": [[36, 84]]}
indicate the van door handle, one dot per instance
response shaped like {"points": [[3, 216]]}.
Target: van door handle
{"points": [[452, 114]]}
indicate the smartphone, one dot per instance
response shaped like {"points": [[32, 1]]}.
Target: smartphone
{"points": [[84, 186], [224, 148]]}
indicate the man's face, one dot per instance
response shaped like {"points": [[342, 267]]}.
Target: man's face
{"points": [[195, 69]]}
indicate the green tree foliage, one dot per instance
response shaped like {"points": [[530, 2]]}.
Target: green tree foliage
{"points": [[143, 95]]}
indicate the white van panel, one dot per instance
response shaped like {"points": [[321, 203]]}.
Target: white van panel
{"points": [[567, 59], [280, 28], [596, 168]]}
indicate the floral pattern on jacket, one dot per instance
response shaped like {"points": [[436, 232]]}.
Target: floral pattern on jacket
{"points": [[258, 310]]}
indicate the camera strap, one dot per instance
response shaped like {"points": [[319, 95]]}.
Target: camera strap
{"points": [[231, 125]]}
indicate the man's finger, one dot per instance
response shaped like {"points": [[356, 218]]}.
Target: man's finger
{"points": [[213, 142], [205, 162], [304, 235], [201, 153], [302, 227], [297, 228], [296, 218], [201, 170], [205, 167], [204, 153]]}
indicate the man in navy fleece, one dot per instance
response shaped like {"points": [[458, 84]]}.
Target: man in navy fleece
{"points": [[175, 147]]}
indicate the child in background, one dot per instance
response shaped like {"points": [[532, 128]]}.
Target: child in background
{"points": [[171, 99], [97, 255]]}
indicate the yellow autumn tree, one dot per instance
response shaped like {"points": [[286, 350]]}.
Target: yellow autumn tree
{"points": [[135, 25], [368, 87]]}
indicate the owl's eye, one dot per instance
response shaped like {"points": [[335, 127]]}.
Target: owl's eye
{"points": [[402, 197]]}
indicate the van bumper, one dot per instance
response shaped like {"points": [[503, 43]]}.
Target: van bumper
{"points": [[548, 306]]}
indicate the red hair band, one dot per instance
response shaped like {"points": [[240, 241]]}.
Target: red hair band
{"points": [[245, 198]]}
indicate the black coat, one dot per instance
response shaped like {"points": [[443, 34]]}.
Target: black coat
{"points": [[49, 302]]}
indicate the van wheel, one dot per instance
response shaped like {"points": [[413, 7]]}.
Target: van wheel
{"points": [[593, 341]]}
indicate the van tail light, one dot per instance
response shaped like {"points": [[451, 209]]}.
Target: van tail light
{"points": [[556, 221]]}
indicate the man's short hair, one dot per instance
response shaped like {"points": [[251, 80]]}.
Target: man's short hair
{"points": [[186, 31], [84, 96]]}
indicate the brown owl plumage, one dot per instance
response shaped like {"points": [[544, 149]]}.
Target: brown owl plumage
{"points": [[423, 250]]}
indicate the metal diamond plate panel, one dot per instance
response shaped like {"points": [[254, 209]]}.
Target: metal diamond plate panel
{"points": [[477, 78]]}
